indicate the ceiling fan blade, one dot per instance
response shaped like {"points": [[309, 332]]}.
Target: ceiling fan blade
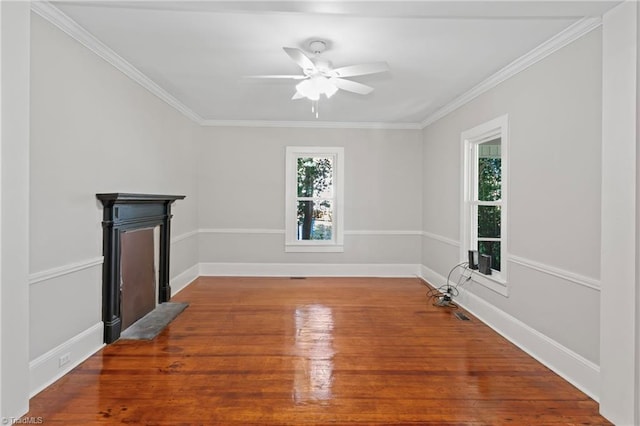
{"points": [[297, 95], [290, 77], [362, 69], [352, 86], [300, 58]]}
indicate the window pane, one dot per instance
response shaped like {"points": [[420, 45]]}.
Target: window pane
{"points": [[315, 220], [489, 221], [315, 177], [491, 248], [490, 171]]}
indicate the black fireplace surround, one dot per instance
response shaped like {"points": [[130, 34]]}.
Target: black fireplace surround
{"points": [[125, 212]]}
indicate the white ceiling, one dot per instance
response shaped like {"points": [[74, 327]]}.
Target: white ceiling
{"points": [[199, 51]]}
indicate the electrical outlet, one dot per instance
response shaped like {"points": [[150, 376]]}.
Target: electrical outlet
{"points": [[64, 359]]}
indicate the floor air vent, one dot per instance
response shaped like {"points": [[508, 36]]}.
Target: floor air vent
{"points": [[461, 316], [297, 278]]}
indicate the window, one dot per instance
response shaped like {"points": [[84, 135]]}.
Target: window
{"points": [[484, 198], [314, 201]]}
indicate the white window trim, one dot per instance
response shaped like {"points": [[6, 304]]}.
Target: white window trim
{"points": [[292, 244], [498, 127]]}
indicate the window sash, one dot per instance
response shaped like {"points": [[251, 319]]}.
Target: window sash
{"points": [[473, 201], [486, 203], [292, 243], [474, 238], [315, 199]]}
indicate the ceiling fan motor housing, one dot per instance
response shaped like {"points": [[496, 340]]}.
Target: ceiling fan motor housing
{"points": [[323, 65]]}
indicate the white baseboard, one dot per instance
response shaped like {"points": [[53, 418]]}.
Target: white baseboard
{"points": [[46, 369], [182, 280], [577, 370], [309, 269]]}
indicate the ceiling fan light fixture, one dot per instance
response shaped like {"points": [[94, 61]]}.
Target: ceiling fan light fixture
{"points": [[315, 86], [325, 86], [331, 90], [308, 90]]}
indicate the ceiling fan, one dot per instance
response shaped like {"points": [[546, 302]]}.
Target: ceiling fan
{"points": [[320, 78]]}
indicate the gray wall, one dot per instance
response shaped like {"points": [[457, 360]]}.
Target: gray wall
{"points": [[554, 112], [619, 357], [241, 196], [92, 130], [14, 201]]}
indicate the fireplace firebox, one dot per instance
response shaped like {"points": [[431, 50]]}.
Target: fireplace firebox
{"points": [[124, 213]]}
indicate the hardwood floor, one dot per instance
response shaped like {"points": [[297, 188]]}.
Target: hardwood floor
{"points": [[315, 351]]}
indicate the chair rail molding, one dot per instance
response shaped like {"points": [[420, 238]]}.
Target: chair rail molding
{"points": [[59, 271]]}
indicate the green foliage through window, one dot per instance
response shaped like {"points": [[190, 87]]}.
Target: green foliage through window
{"points": [[489, 191], [315, 187], [489, 179], [489, 221]]}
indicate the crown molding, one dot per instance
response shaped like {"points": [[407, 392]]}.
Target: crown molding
{"points": [[54, 15], [311, 124], [555, 43]]}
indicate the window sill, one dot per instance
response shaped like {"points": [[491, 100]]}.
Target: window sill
{"points": [[496, 283], [308, 248]]}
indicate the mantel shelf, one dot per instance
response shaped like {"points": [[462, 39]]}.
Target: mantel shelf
{"points": [[123, 197]]}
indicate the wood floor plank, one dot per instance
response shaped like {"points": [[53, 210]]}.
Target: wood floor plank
{"points": [[276, 351]]}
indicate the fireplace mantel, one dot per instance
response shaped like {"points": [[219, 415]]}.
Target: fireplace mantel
{"points": [[125, 212]]}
